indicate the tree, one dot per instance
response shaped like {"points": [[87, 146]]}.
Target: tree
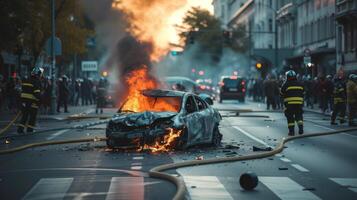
{"points": [[202, 28], [240, 40], [28, 23]]}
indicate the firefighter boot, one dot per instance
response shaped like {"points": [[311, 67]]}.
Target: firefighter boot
{"points": [[291, 131], [301, 129]]}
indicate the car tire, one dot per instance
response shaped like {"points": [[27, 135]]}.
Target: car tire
{"points": [[110, 143], [216, 137], [182, 142]]}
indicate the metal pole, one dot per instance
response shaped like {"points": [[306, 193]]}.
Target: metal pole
{"points": [[276, 42], [53, 58]]}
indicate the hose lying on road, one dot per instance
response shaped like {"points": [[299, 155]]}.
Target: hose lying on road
{"points": [[157, 172], [39, 144], [10, 124]]}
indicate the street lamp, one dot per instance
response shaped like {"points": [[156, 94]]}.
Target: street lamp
{"points": [[53, 58]]}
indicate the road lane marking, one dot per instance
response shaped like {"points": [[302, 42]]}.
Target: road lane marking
{"points": [[126, 188], [49, 188], [286, 189], [285, 160], [205, 187], [300, 168], [58, 133], [350, 183], [252, 137], [331, 129], [138, 158], [136, 167]]}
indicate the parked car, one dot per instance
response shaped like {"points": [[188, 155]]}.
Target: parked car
{"points": [[232, 88], [196, 120]]}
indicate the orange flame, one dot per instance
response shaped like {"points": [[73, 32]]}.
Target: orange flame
{"points": [[139, 80], [166, 144]]}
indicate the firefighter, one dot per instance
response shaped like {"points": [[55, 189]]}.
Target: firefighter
{"points": [[30, 99], [352, 99], [339, 101], [292, 92], [101, 94]]}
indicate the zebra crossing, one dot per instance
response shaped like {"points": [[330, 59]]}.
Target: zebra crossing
{"points": [[198, 187]]}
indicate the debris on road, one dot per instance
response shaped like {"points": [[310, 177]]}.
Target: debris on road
{"points": [[199, 157], [230, 146], [283, 168], [255, 148], [308, 189]]}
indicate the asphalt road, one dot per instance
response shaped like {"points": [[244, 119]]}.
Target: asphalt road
{"points": [[311, 168]]}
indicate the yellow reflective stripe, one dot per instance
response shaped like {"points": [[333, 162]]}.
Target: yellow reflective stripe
{"points": [[30, 126], [28, 96], [291, 124], [36, 91], [294, 88], [300, 122], [27, 84], [22, 125], [295, 102], [34, 106], [287, 99]]}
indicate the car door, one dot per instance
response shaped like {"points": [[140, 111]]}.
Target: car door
{"points": [[206, 118], [193, 121]]}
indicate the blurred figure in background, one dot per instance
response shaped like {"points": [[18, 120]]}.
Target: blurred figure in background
{"points": [[322, 89], [271, 90], [101, 94], [339, 101], [63, 92], [330, 88], [46, 95], [11, 95], [309, 90], [352, 98], [77, 89]]}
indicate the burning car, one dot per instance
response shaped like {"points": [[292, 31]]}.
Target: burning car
{"points": [[170, 120]]}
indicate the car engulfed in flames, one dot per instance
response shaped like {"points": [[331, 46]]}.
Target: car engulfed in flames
{"points": [[171, 120]]}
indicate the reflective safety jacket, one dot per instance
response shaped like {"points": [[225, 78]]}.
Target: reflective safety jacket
{"points": [[31, 92], [292, 92], [339, 92]]}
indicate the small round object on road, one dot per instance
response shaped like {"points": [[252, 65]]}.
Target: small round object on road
{"points": [[248, 180]]}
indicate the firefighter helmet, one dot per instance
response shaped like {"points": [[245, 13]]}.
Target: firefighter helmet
{"points": [[290, 75], [37, 71]]}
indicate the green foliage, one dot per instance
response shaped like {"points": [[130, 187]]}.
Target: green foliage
{"points": [[201, 27], [28, 23]]}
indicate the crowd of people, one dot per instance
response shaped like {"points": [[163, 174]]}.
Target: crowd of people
{"points": [[81, 91], [319, 92]]}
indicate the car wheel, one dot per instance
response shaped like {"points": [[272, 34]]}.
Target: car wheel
{"points": [[216, 137], [110, 143], [182, 141]]}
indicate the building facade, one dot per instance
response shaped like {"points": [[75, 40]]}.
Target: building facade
{"points": [[346, 16]]}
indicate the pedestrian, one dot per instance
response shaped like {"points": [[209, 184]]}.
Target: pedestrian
{"points": [[339, 101], [46, 95], [352, 98], [63, 92], [77, 92], [30, 100], [293, 93], [323, 90], [330, 89], [271, 89], [309, 91], [101, 94]]}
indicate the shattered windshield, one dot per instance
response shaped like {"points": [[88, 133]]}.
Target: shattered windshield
{"points": [[153, 104]]}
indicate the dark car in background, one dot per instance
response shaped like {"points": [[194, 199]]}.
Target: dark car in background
{"points": [[232, 88], [196, 120]]}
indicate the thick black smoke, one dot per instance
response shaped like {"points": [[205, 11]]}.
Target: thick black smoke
{"points": [[133, 54]]}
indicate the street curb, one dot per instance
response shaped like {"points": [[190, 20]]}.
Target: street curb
{"points": [[316, 112]]}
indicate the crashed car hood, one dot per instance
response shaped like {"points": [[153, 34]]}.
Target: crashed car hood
{"points": [[141, 119]]}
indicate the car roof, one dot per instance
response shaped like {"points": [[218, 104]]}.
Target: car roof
{"points": [[179, 78], [163, 93]]}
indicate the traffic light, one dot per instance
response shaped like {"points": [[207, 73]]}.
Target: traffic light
{"points": [[227, 37], [176, 53], [104, 73], [258, 65]]}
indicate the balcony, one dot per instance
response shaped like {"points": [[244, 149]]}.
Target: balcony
{"points": [[345, 8], [286, 12]]}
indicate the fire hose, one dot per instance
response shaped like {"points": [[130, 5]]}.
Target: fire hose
{"points": [[10, 124], [158, 171]]}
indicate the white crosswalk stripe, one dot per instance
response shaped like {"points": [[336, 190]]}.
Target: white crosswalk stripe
{"points": [[129, 188], [49, 188], [350, 183], [287, 189], [205, 187]]}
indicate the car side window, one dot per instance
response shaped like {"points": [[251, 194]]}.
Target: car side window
{"points": [[200, 103], [190, 105]]}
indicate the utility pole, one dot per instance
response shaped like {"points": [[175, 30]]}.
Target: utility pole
{"points": [[53, 58]]}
